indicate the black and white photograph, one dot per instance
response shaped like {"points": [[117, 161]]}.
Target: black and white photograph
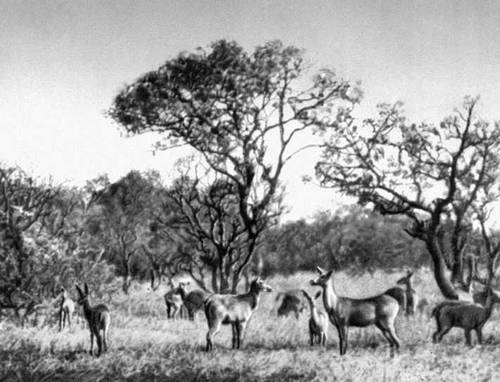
{"points": [[268, 190]]}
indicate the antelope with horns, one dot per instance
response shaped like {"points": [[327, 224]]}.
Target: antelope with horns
{"points": [[66, 309], [194, 300], [98, 318], [464, 315], [380, 310], [234, 309], [318, 322], [411, 294]]}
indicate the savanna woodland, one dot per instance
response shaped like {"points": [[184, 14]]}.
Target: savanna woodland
{"points": [[419, 196]]}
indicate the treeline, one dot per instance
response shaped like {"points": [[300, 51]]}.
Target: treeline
{"points": [[111, 233]]}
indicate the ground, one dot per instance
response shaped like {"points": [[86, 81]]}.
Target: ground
{"points": [[145, 346]]}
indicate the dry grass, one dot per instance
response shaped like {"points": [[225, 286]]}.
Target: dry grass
{"points": [[145, 346]]}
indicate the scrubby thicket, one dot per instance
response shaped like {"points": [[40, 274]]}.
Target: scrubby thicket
{"points": [[146, 346]]}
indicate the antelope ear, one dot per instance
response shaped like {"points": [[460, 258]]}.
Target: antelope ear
{"points": [[317, 295], [86, 289], [80, 293], [320, 270]]}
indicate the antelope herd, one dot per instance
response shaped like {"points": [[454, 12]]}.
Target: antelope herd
{"points": [[470, 313]]}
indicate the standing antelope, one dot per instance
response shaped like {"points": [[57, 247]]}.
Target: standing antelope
{"points": [[380, 310], [66, 309], [173, 302], [194, 300], [464, 315], [411, 294], [318, 322], [234, 309], [98, 318]]}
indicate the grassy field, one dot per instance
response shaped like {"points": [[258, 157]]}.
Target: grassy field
{"points": [[144, 346]]}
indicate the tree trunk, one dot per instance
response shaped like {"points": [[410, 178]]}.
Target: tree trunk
{"points": [[443, 282], [215, 287]]}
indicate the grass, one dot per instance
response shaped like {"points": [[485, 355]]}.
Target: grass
{"points": [[144, 346]]}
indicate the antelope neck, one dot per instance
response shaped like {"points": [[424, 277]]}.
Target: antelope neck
{"points": [[329, 296]]}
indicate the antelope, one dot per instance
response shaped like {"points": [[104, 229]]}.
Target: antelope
{"points": [[411, 294], [291, 303], [480, 297], [466, 315], [380, 310], [66, 309], [173, 302], [234, 309], [318, 322], [98, 318], [193, 301], [399, 294]]}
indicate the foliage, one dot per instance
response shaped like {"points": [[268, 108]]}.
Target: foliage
{"points": [[241, 112], [440, 177]]}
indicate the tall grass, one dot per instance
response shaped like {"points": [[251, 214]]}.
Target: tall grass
{"points": [[144, 345]]}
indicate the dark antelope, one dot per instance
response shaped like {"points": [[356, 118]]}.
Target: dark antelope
{"points": [[98, 318], [380, 310], [292, 302], [194, 300], [66, 309], [463, 314], [234, 309]]}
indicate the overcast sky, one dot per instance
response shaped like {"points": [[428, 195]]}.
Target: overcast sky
{"points": [[61, 63]]}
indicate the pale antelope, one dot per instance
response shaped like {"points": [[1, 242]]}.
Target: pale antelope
{"points": [[194, 300], [318, 322], [411, 294], [98, 318], [232, 309], [464, 315], [422, 305], [292, 302], [66, 309], [380, 310]]}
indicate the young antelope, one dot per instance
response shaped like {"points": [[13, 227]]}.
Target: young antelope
{"points": [[66, 309], [318, 322], [411, 294], [194, 300], [98, 318]]}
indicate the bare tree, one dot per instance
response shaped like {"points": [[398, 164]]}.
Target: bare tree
{"points": [[433, 175]]}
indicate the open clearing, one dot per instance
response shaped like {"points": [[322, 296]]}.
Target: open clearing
{"points": [[144, 345]]}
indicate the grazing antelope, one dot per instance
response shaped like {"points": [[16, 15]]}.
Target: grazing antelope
{"points": [[292, 302], [234, 309], [464, 315], [380, 310], [66, 309], [411, 294], [98, 318], [173, 302], [318, 322], [194, 300]]}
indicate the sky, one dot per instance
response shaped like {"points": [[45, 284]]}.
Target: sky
{"points": [[62, 62]]}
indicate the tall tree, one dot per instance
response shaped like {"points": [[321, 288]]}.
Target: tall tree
{"points": [[434, 175], [242, 112]]}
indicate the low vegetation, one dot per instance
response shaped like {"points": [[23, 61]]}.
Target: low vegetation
{"points": [[145, 346]]}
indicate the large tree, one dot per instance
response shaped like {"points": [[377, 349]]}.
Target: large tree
{"points": [[436, 176], [241, 111]]}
